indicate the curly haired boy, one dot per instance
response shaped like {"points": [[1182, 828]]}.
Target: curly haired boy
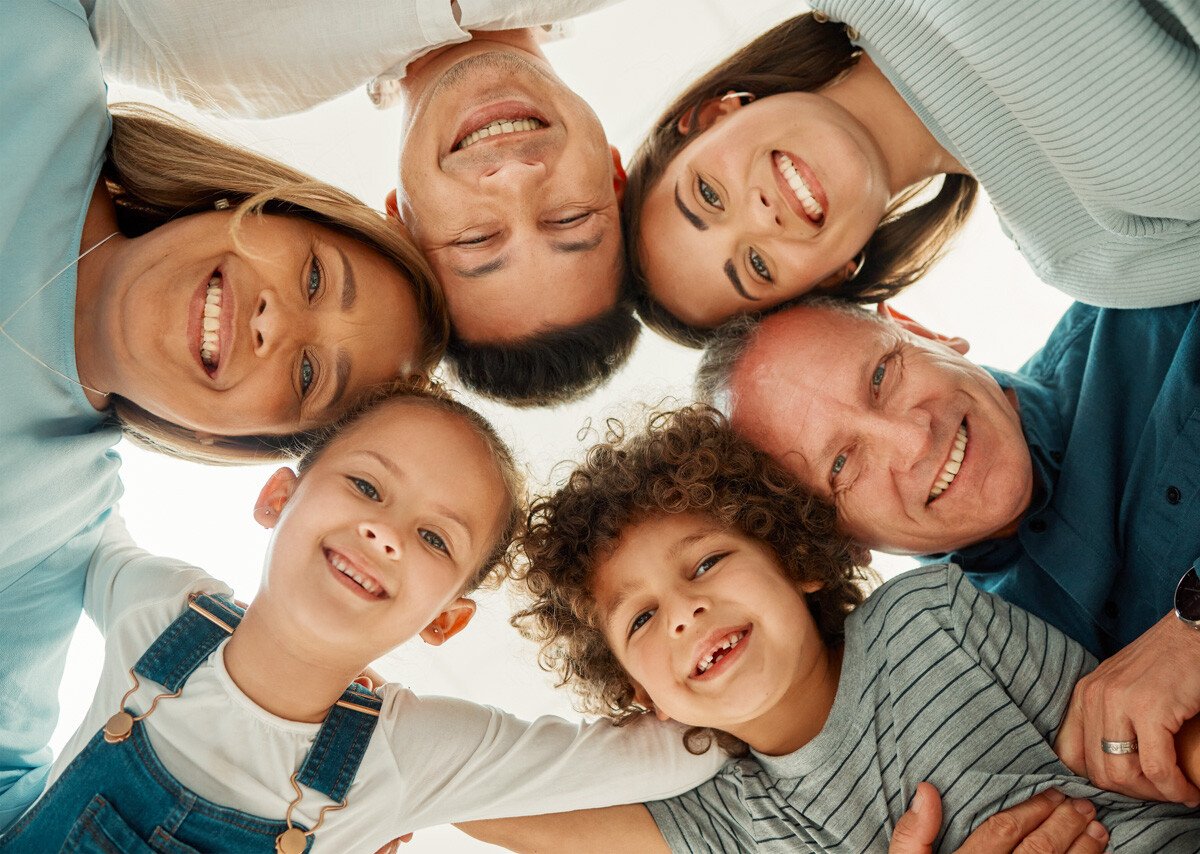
{"points": [[680, 571]]}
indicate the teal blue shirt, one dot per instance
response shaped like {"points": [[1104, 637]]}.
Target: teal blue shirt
{"points": [[1111, 410], [59, 471]]}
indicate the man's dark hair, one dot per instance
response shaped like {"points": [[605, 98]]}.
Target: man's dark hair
{"points": [[551, 367]]}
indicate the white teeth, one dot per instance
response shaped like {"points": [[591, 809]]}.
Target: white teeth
{"points": [[210, 338], [805, 195], [345, 569], [950, 470], [729, 642], [498, 127]]}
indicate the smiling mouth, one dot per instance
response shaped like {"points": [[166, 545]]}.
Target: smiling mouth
{"points": [[210, 325], [804, 194], [723, 647], [368, 584], [499, 127], [953, 464]]}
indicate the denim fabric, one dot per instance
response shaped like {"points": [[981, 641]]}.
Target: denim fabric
{"points": [[120, 797]]}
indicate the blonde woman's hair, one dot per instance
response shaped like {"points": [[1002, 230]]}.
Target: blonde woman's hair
{"points": [[160, 168]]}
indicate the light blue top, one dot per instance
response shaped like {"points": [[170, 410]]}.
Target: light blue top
{"points": [[59, 472], [1080, 119]]}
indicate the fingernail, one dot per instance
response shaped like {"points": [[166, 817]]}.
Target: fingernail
{"points": [[1083, 807], [1055, 796], [918, 801], [1096, 830]]}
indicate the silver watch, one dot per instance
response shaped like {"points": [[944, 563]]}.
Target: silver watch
{"points": [[1187, 598]]}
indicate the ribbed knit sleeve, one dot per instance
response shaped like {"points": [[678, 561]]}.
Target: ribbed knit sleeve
{"points": [[1080, 119]]}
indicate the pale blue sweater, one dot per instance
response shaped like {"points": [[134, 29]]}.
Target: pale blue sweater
{"points": [[1081, 119]]}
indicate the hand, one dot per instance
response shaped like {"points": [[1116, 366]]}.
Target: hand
{"points": [[1047, 823], [394, 846], [1146, 691]]}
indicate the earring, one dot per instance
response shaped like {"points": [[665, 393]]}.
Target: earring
{"points": [[436, 630], [221, 204], [267, 511], [862, 259], [749, 96]]}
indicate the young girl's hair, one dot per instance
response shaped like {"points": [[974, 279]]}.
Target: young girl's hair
{"points": [[686, 461], [497, 564], [160, 168], [799, 55]]}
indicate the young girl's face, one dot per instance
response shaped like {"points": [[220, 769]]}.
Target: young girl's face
{"points": [[772, 200], [704, 621], [378, 537]]}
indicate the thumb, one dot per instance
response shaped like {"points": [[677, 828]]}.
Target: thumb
{"points": [[918, 828]]}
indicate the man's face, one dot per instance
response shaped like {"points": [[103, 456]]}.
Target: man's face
{"points": [[506, 179], [920, 450]]}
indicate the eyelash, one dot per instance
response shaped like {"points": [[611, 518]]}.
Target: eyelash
{"points": [[313, 290], [573, 219], [475, 241], [759, 266], [429, 537], [701, 568], [877, 378], [709, 194], [365, 487]]}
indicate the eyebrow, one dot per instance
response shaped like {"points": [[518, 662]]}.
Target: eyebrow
{"points": [[698, 223], [731, 272], [349, 288], [494, 266], [398, 474]]}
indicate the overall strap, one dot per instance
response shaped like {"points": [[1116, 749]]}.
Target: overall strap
{"points": [[341, 743], [186, 643]]}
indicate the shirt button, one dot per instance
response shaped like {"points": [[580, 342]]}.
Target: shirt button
{"points": [[1174, 496], [1110, 609], [1056, 456], [1038, 526]]}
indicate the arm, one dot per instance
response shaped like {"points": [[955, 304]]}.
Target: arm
{"points": [[1146, 691], [624, 828]]}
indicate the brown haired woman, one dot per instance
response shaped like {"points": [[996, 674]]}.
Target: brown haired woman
{"points": [[210, 302], [796, 164]]}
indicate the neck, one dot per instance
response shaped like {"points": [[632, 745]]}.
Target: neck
{"points": [[912, 154], [423, 72], [90, 360], [287, 673], [801, 713]]}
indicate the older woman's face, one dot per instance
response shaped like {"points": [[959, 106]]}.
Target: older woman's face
{"points": [[273, 332]]}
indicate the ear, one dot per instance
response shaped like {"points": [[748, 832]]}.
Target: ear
{"points": [[810, 586], [389, 204], [619, 179], [707, 114], [959, 345], [273, 496], [450, 622], [643, 699]]}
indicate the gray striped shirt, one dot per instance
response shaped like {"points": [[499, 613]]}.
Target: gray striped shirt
{"points": [[1080, 118], [940, 682]]}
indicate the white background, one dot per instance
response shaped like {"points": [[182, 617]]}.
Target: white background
{"points": [[626, 61]]}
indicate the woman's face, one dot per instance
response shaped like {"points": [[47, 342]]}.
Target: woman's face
{"points": [[772, 200], [273, 333]]}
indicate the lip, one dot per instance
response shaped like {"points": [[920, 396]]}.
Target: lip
{"points": [[507, 109], [809, 178], [196, 315], [967, 454], [702, 649], [361, 567]]}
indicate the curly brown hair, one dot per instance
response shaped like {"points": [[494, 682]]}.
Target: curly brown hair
{"points": [[685, 461]]}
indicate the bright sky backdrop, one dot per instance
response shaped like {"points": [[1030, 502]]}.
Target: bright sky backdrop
{"points": [[626, 60]]}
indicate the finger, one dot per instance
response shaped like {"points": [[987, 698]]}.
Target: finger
{"points": [[1061, 830], [1122, 771], [406, 837], [1093, 840], [1159, 765], [1068, 744], [918, 828], [1005, 830]]}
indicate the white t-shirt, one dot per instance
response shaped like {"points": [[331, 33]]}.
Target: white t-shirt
{"points": [[431, 760], [262, 59]]}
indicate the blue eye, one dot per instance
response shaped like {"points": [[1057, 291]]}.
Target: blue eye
{"points": [[365, 487], [640, 620], [709, 194], [314, 279], [759, 266], [839, 463], [306, 375], [434, 540], [707, 564], [877, 377]]}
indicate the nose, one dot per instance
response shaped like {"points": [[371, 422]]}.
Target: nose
{"points": [[906, 437], [272, 325], [764, 213], [688, 610], [514, 177], [380, 540]]}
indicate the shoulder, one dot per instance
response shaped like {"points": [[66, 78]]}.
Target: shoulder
{"points": [[921, 591]]}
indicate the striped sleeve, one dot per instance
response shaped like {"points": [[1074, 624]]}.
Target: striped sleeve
{"points": [[1033, 662], [710, 819]]}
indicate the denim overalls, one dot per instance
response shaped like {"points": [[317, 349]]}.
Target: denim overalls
{"points": [[116, 796]]}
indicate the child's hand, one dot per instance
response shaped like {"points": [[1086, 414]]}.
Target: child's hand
{"points": [[394, 846], [1048, 822]]}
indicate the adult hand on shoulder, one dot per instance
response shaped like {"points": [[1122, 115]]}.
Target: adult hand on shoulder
{"points": [[1144, 692], [1047, 823]]}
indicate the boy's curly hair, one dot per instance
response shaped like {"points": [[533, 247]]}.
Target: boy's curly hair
{"points": [[686, 461]]}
